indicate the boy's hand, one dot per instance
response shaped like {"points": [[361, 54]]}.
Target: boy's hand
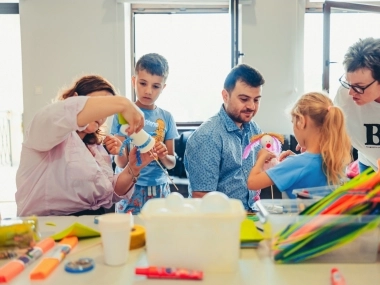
{"points": [[112, 144], [161, 149]]}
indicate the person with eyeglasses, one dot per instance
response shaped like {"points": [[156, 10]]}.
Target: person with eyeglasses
{"points": [[359, 98]]}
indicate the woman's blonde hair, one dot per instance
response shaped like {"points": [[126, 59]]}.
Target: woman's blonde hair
{"points": [[82, 87], [335, 144]]}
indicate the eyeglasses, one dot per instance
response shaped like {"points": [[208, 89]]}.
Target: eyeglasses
{"points": [[357, 89]]}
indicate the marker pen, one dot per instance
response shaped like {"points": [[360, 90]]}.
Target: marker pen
{"points": [[336, 277], [16, 266], [48, 264], [169, 273]]}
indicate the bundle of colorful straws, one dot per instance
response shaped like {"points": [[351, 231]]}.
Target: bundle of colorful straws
{"points": [[333, 221]]}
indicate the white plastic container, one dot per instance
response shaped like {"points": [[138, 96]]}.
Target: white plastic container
{"points": [[315, 193], [199, 240]]}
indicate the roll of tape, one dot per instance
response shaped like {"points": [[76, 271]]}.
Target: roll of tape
{"points": [[137, 237]]}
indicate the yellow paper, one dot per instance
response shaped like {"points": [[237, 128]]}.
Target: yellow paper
{"points": [[249, 232], [77, 229]]}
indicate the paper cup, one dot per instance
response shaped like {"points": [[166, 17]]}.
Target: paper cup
{"points": [[115, 232], [142, 139]]}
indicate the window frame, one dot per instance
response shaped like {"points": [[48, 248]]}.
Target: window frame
{"points": [[187, 9], [327, 6], [7, 154], [9, 8]]}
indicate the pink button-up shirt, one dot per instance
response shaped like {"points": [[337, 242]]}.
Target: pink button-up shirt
{"points": [[58, 175]]}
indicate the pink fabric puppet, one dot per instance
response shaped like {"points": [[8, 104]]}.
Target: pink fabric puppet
{"points": [[270, 141]]}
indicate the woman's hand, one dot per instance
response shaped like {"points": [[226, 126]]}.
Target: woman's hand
{"points": [[161, 150], [146, 158], [112, 144], [135, 118], [285, 154]]}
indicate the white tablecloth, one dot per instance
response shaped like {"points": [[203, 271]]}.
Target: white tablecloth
{"points": [[255, 266]]}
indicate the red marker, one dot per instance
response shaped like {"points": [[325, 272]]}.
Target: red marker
{"points": [[336, 277], [169, 273]]}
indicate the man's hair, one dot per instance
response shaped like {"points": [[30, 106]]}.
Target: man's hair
{"points": [[244, 73], [154, 64], [365, 53]]}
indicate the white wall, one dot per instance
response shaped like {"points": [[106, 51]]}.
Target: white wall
{"points": [[63, 39], [272, 41]]}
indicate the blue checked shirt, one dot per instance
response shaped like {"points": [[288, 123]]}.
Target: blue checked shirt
{"points": [[213, 158]]}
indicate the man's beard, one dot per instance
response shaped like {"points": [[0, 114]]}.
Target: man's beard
{"points": [[237, 117]]}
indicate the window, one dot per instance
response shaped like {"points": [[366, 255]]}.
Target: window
{"points": [[198, 49], [10, 59], [11, 106], [11, 95], [346, 27], [313, 51]]}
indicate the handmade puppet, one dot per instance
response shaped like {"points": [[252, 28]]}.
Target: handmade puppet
{"points": [[142, 140], [270, 141]]}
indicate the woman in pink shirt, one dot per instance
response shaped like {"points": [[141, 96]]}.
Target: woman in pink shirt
{"points": [[64, 168]]}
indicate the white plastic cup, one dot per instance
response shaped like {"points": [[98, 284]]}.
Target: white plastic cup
{"points": [[140, 138], [115, 232]]}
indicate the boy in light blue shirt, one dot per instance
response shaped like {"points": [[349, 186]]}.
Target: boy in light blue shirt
{"points": [[151, 72]]}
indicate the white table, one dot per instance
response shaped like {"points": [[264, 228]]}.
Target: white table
{"points": [[254, 267]]}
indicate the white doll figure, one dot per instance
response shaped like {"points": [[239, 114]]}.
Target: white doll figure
{"points": [[270, 141], [142, 139]]}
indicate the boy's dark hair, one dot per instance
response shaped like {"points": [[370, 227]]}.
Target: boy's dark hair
{"points": [[154, 64], [365, 53], [244, 73]]}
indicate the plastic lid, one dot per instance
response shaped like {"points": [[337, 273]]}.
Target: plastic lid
{"points": [[80, 266], [114, 221]]}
